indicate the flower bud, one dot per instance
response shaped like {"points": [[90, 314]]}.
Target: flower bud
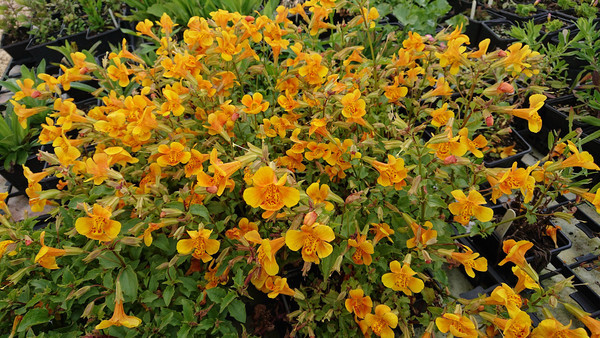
{"points": [[489, 121], [35, 94], [131, 241], [502, 53], [506, 87], [450, 160], [249, 18], [310, 218], [211, 190]]}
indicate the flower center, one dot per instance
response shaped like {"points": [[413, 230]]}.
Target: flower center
{"points": [[272, 197], [98, 225], [310, 245], [378, 326], [200, 247], [401, 280]]}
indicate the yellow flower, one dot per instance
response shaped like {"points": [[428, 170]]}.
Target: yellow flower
{"points": [[47, 255], [98, 167], [381, 230], [382, 322], [119, 72], [364, 250], [194, 165], [319, 195], [592, 324], [313, 72], [445, 149], [577, 159], [26, 87], [358, 303], [269, 193], [459, 326], [519, 325], [98, 225], [454, 55], [473, 145], [524, 280], [515, 60], [371, 15], [172, 154], [424, 235], [391, 173], [515, 252], [227, 45], [354, 108], [221, 174], [470, 260], [536, 101], [145, 28], [266, 251], [244, 227], [254, 104], [4, 247], [147, 235], [506, 296], [441, 116], [465, 207], [313, 239], [172, 103], [23, 113], [442, 88], [395, 92], [553, 328], [483, 47], [119, 318], [199, 244], [277, 285], [401, 279]]}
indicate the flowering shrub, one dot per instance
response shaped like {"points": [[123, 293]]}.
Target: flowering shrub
{"points": [[244, 159]]}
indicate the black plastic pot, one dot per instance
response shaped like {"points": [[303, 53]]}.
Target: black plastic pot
{"points": [[16, 50], [555, 119], [515, 18], [15, 175], [507, 162], [489, 31], [569, 24], [107, 38]]}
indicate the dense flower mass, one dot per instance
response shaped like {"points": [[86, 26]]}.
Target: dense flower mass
{"points": [[253, 158]]}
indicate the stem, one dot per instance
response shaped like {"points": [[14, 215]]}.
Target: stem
{"points": [[119, 258]]}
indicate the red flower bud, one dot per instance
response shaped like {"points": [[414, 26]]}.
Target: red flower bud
{"points": [[310, 218], [235, 116], [506, 87], [249, 18], [450, 159], [35, 94], [211, 190], [84, 70], [502, 53], [489, 121]]}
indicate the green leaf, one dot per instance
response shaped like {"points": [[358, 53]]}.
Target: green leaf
{"points": [[34, 317], [237, 309], [200, 210], [168, 294], [215, 294], [157, 10], [129, 282], [188, 309], [228, 299]]}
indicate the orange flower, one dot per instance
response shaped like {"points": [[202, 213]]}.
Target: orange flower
{"points": [[364, 250], [23, 113], [441, 116], [459, 326], [26, 87], [381, 230], [592, 324], [4, 247], [354, 108], [313, 239], [473, 145], [506, 296], [358, 303], [277, 285], [212, 278], [382, 322], [47, 255], [452, 147], [515, 252], [227, 45], [470, 260], [391, 173], [401, 279], [465, 207], [454, 55], [244, 226], [119, 318], [119, 72], [172, 103], [483, 47], [98, 225], [254, 104], [577, 159], [519, 325], [551, 231], [147, 235], [515, 60], [172, 154], [524, 280], [202, 246], [221, 174], [269, 193], [442, 88], [266, 251], [98, 167], [536, 101], [194, 165], [553, 328], [395, 92], [424, 235], [319, 194], [313, 72]]}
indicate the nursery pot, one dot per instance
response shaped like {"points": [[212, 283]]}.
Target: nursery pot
{"points": [[497, 31], [15, 175], [106, 38], [16, 49], [521, 144]]}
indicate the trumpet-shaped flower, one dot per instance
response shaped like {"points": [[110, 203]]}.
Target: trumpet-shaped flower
{"points": [[172, 155], [459, 326], [244, 227], [358, 303], [98, 224], [119, 72], [254, 104], [382, 322], [119, 318], [364, 250], [319, 194], [269, 193], [266, 251], [277, 285], [401, 279], [466, 207], [391, 173], [381, 230], [3, 248], [199, 244], [553, 328], [313, 239], [515, 252], [579, 159], [506, 296], [222, 172], [354, 108], [23, 113], [536, 101], [313, 72], [441, 116], [424, 235], [470, 260], [524, 280], [46, 257]]}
